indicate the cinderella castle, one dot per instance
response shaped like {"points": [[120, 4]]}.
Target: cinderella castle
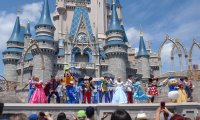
{"points": [[86, 34]]}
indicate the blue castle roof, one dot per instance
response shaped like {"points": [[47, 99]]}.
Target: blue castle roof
{"points": [[45, 18], [114, 24], [27, 30], [117, 3], [13, 50], [18, 32], [142, 48]]}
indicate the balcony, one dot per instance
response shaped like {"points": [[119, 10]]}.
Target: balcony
{"points": [[83, 65]]}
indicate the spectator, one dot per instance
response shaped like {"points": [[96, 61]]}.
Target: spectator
{"points": [[120, 115], [41, 116], [20, 116], [33, 117], [90, 113], [1, 108], [141, 116], [62, 116], [81, 115], [168, 115]]}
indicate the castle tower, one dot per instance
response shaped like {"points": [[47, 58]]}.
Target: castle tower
{"points": [[27, 36], [115, 48], [143, 59], [14, 50], [45, 38]]}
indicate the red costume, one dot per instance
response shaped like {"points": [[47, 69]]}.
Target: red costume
{"points": [[153, 91]]}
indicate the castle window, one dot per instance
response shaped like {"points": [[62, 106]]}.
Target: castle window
{"points": [[43, 41]]}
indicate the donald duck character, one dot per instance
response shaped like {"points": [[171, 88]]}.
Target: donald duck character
{"points": [[173, 93]]}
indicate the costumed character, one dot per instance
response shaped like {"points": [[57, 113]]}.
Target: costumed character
{"points": [[95, 96], [110, 89], [153, 88], [60, 90], [104, 89], [119, 95], [69, 83], [188, 88], [139, 95], [173, 94], [181, 90], [39, 94], [31, 88], [87, 88], [80, 90], [53, 84], [129, 89], [99, 92]]}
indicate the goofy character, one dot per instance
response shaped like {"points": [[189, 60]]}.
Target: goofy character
{"points": [[69, 83]]}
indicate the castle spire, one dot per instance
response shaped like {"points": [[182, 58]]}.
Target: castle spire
{"points": [[117, 2], [28, 30], [114, 24], [142, 48], [45, 18], [16, 31]]}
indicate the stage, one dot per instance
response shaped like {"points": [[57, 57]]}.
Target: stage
{"points": [[191, 109]]}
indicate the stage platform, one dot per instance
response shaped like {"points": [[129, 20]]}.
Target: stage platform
{"points": [[191, 109]]}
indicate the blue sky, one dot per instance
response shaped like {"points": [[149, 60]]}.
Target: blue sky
{"points": [[178, 18]]}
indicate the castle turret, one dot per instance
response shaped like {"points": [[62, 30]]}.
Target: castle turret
{"points": [[12, 54], [115, 48], [119, 10], [143, 59], [45, 39], [27, 36]]}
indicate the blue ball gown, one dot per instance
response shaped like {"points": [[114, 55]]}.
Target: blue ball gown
{"points": [[119, 95], [139, 94]]}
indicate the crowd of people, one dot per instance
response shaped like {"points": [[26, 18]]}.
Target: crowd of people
{"points": [[89, 114], [72, 90]]}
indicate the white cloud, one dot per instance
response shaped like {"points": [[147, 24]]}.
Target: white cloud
{"points": [[133, 36], [29, 12], [7, 20]]}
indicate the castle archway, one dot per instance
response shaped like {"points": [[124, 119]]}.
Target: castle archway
{"points": [[182, 49], [34, 43], [161, 47]]}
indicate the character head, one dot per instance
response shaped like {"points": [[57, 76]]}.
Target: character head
{"points": [[37, 79], [118, 79], [172, 81], [130, 77]]}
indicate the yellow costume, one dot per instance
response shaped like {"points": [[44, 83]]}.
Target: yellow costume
{"points": [[182, 96], [68, 79]]}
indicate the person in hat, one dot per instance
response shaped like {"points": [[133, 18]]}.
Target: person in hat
{"points": [[141, 116], [81, 115], [53, 89], [33, 117], [104, 89], [69, 83]]}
